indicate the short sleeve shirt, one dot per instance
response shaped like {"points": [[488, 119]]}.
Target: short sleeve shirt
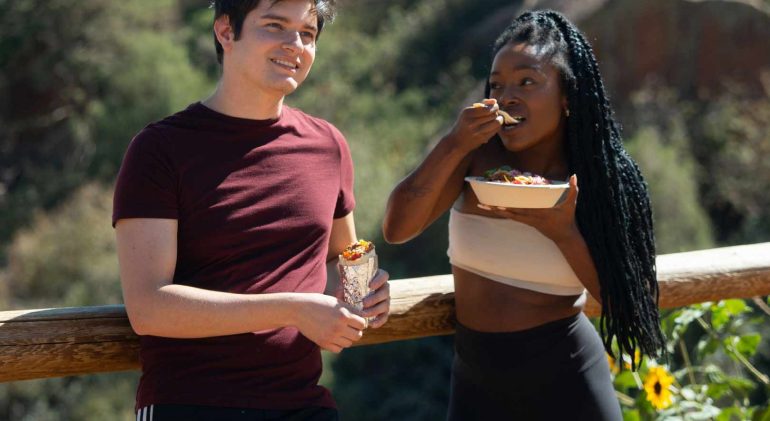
{"points": [[254, 201]]}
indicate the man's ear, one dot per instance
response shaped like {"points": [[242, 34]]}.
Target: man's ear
{"points": [[224, 32]]}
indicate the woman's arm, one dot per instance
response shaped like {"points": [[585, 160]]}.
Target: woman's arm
{"points": [[431, 189], [575, 251]]}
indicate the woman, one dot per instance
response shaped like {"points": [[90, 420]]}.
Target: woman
{"points": [[523, 348]]}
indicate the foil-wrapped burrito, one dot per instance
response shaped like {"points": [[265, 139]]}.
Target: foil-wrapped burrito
{"points": [[357, 266]]}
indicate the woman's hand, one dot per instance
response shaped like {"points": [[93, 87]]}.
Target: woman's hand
{"points": [[475, 126], [377, 303], [556, 223]]}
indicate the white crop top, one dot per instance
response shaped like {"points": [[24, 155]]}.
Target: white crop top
{"points": [[510, 252]]}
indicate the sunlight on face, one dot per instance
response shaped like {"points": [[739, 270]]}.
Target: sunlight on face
{"points": [[528, 86]]}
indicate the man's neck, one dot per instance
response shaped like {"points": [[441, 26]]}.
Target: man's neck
{"points": [[235, 101]]}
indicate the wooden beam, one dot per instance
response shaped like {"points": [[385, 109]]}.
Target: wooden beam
{"points": [[72, 341]]}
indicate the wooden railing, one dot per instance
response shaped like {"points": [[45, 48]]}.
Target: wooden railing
{"points": [[73, 341]]}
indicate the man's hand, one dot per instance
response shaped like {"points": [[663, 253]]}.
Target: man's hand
{"points": [[329, 322], [377, 303]]}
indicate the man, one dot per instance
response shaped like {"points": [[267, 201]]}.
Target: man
{"points": [[225, 215]]}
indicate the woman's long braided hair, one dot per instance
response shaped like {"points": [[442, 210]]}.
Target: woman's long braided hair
{"points": [[613, 210]]}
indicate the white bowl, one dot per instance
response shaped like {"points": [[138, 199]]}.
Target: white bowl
{"points": [[507, 195]]}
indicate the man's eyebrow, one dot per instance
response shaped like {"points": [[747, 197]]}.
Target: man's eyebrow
{"points": [[283, 19]]}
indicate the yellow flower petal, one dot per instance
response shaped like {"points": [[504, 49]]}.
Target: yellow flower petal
{"points": [[657, 387]]}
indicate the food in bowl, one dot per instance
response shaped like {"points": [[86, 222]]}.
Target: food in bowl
{"points": [[506, 174], [499, 187]]}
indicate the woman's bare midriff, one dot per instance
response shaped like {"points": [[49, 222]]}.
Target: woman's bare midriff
{"points": [[490, 306]]}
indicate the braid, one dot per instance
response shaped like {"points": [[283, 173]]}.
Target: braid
{"points": [[613, 212]]}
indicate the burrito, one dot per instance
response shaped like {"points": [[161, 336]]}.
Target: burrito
{"points": [[357, 265]]}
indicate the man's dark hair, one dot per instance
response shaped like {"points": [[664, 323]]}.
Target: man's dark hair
{"points": [[613, 212], [236, 10]]}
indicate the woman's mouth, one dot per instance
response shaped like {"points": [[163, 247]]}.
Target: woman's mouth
{"points": [[510, 121]]}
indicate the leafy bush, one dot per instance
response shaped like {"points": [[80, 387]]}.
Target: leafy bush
{"points": [[709, 374], [68, 256]]}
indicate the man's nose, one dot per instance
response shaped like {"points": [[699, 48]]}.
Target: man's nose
{"points": [[293, 42]]}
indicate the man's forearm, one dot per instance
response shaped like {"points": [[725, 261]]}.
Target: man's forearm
{"points": [[181, 311]]}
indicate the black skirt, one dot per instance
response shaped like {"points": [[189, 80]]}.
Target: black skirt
{"points": [[556, 371]]}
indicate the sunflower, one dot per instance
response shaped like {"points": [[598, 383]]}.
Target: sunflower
{"points": [[657, 384], [613, 364]]}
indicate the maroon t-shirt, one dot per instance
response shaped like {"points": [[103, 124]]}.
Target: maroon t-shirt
{"points": [[255, 200]]}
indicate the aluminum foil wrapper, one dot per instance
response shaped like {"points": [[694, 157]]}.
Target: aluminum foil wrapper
{"points": [[356, 275]]}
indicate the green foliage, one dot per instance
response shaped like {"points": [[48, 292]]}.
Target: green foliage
{"points": [[714, 379], [732, 148], [89, 398], [68, 256], [396, 381], [721, 144], [78, 79], [680, 221], [160, 80]]}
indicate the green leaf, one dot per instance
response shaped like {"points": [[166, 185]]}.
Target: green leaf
{"points": [[746, 345], [631, 415], [740, 384], [730, 414], [707, 346], [725, 310], [688, 315], [625, 381], [719, 316], [761, 414], [717, 390], [735, 306]]}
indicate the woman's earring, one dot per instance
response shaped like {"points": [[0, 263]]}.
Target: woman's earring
{"points": [[566, 112]]}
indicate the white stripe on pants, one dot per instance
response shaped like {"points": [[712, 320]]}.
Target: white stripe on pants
{"points": [[145, 414]]}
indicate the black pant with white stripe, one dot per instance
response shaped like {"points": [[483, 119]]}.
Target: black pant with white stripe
{"points": [[206, 413]]}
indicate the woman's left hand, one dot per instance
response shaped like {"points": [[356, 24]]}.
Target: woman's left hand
{"points": [[555, 223], [377, 303]]}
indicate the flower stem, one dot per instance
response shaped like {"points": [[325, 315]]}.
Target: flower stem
{"points": [[687, 362], [761, 304], [624, 399], [758, 374]]}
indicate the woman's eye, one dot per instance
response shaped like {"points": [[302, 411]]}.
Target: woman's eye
{"points": [[527, 81], [308, 35], [274, 25], [494, 85]]}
